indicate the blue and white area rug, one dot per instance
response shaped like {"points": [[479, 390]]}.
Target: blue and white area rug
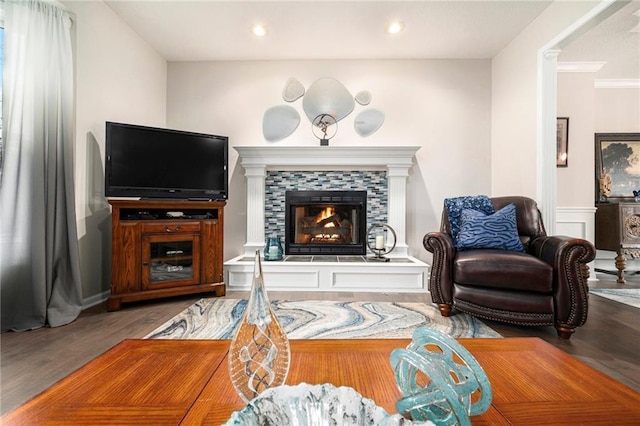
{"points": [[217, 318], [628, 296]]}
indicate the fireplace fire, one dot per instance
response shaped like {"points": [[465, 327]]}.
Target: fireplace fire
{"points": [[325, 222]]}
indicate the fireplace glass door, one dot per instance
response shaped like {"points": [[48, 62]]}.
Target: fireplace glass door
{"points": [[325, 222]]}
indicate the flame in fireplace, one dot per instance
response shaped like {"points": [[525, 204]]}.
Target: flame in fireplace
{"points": [[327, 213], [328, 236]]}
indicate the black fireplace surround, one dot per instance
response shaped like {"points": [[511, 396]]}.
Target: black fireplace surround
{"points": [[325, 222]]}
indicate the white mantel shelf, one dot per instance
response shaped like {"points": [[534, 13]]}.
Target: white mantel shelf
{"points": [[407, 274], [327, 156]]}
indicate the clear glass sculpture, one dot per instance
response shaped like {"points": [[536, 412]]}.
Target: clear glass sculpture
{"points": [[259, 355]]}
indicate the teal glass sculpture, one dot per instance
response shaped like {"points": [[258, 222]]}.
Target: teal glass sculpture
{"points": [[259, 354], [456, 385]]}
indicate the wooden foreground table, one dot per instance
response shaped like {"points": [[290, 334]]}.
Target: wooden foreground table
{"points": [[170, 382]]}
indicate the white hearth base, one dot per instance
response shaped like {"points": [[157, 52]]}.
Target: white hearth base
{"points": [[400, 275]]}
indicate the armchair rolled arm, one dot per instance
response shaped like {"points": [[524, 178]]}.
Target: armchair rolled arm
{"points": [[569, 257], [440, 280]]}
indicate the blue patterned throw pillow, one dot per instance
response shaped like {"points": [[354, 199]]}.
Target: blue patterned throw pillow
{"points": [[498, 230], [455, 206]]}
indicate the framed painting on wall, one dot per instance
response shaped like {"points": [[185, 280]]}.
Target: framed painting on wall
{"points": [[562, 142], [617, 170]]}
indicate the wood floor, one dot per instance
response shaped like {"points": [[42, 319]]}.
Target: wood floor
{"points": [[34, 360]]}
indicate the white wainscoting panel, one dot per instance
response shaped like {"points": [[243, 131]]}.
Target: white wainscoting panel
{"points": [[401, 275], [578, 222], [379, 279]]}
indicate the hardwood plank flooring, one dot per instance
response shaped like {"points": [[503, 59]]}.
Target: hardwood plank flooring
{"points": [[32, 361]]}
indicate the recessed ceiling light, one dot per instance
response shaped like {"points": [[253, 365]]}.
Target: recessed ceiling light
{"points": [[395, 27], [259, 30]]}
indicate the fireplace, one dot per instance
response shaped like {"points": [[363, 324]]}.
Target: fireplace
{"points": [[348, 273], [325, 222]]}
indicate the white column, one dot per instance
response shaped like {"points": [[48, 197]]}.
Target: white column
{"points": [[547, 118], [255, 175], [397, 207]]}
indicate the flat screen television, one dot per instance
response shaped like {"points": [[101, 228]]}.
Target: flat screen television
{"points": [[150, 162]]}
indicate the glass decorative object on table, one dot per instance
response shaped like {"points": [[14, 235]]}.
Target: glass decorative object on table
{"points": [[315, 405], [456, 385], [273, 249], [259, 354]]}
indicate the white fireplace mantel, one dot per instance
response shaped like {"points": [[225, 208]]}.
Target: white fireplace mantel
{"points": [[256, 160], [327, 156], [402, 274]]}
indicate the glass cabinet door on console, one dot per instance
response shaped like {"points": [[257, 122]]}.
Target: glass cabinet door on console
{"points": [[170, 260]]}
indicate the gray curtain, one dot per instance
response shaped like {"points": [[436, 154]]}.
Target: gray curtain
{"points": [[39, 261]]}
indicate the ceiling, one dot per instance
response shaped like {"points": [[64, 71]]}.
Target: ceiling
{"points": [[614, 41], [182, 30], [209, 30]]}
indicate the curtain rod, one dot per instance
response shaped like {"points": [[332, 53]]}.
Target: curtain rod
{"points": [[56, 4], [61, 6]]}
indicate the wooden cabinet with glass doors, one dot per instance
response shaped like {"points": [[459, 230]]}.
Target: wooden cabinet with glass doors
{"points": [[165, 248]]}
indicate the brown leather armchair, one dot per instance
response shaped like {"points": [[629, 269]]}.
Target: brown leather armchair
{"points": [[546, 285]]}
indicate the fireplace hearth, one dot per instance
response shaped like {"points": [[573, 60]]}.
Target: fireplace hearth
{"points": [[325, 222]]}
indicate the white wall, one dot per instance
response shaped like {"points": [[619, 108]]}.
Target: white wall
{"points": [[617, 110], [515, 103], [577, 100], [474, 119], [441, 105], [590, 110], [118, 78]]}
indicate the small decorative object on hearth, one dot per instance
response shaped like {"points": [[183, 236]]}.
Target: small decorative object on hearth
{"points": [[456, 385], [324, 127], [381, 240], [273, 249], [259, 354]]}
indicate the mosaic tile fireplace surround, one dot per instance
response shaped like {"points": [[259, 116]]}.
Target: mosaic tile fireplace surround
{"points": [[380, 171], [280, 184]]}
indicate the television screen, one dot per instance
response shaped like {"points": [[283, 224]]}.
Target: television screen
{"points": [[149, 162]]}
